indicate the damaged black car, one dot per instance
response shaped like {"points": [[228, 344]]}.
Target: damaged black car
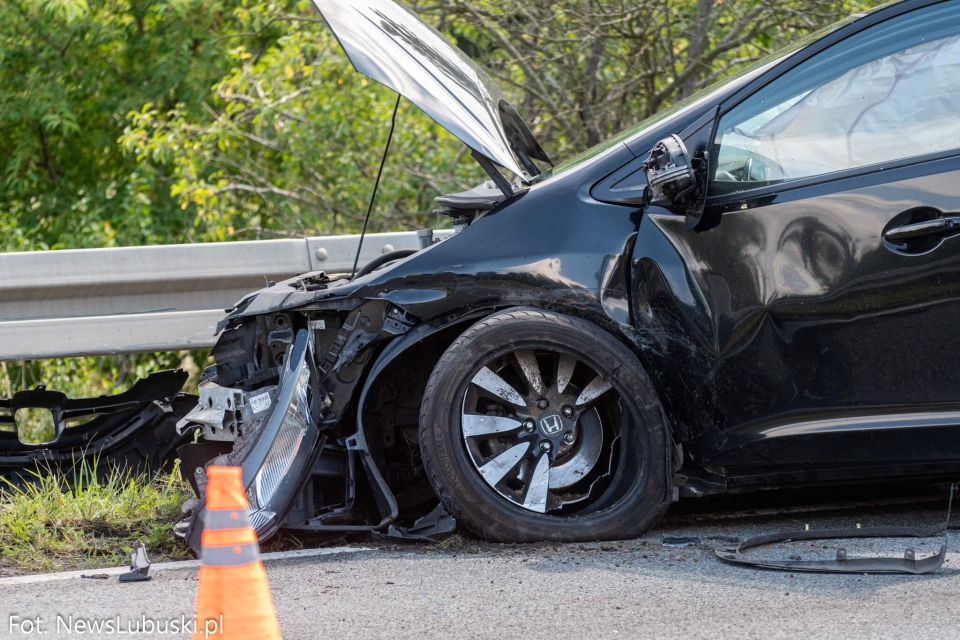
{"points": [[757, 288]]}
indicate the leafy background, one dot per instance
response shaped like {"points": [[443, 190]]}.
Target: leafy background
{"points": [[135, 122]]}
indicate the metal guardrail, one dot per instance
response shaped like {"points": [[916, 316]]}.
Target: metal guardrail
{"points": [[157, 298]]}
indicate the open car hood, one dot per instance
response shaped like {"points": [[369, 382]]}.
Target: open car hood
{"points": [[392, 45]]}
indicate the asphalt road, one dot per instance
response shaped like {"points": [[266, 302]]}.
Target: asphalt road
{"points": [[635, 589]]}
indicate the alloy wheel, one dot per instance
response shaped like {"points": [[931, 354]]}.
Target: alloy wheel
{"points": [[540, 427]]}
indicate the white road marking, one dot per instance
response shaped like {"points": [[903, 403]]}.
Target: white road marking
{"points": [[166, 566]]}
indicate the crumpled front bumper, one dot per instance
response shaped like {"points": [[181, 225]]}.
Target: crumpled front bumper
{"points": [[133, 430]]}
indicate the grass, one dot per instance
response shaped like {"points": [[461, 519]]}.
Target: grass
{"points": [[452, 542], [49, 526]]}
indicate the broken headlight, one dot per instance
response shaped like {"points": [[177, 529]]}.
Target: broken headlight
{"points": [[275, 464], [294, 422]]}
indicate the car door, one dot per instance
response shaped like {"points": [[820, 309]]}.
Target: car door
{"points": [[828, 266]]}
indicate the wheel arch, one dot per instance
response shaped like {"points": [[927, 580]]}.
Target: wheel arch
{"points": [[423, 346], [398, 381]]}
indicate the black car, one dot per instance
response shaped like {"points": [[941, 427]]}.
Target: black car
{"points": [[757, 288]]}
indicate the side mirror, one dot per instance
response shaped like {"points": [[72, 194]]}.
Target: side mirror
{"points": [[678, 180], [670, 176], [669, 172]]}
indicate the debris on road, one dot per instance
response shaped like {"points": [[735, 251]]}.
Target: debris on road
{"points": [[677, 542], [843, 564], [433, 527], [139, 566]]}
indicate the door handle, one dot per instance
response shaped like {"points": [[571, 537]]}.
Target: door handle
{"points": [[928, 227]]}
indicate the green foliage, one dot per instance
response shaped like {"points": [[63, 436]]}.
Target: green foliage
{"points": [[290, 140], [135, 122], [35, 425], [70, 72], [127, 122], [49, 526]]}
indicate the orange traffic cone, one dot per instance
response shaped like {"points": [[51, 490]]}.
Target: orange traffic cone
{"points": [[233, 598]]}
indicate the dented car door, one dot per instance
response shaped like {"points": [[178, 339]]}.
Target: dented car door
{"points": [[824, 286]]}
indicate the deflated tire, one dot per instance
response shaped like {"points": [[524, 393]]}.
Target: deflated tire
{"points": [[541, 426]]}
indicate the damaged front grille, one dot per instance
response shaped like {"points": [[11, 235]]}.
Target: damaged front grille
{"points": [[133, 431]]}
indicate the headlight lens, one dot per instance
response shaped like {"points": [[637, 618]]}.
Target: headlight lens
{"points": [[279, 456], [289, 439]]}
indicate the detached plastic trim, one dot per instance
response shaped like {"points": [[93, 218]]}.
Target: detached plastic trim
{"points": [[908, 564]]}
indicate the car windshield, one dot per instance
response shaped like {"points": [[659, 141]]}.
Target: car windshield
{"points": [[769, 60]]}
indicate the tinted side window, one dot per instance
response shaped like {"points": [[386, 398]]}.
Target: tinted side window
{"points": [[887, 93]]}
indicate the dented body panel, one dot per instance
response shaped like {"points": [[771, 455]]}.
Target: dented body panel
{"points": [[811, 341]]}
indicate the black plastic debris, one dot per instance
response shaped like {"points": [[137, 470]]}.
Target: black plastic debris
{"points": [[139, 566], [909, 563], [133, 431], [677, 542], [433, 527]]}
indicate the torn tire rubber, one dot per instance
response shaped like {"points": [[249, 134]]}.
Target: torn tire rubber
{"points": [[540, 426]]}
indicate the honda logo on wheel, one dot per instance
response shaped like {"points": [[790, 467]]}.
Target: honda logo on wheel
{"points": [[551, 425]]}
